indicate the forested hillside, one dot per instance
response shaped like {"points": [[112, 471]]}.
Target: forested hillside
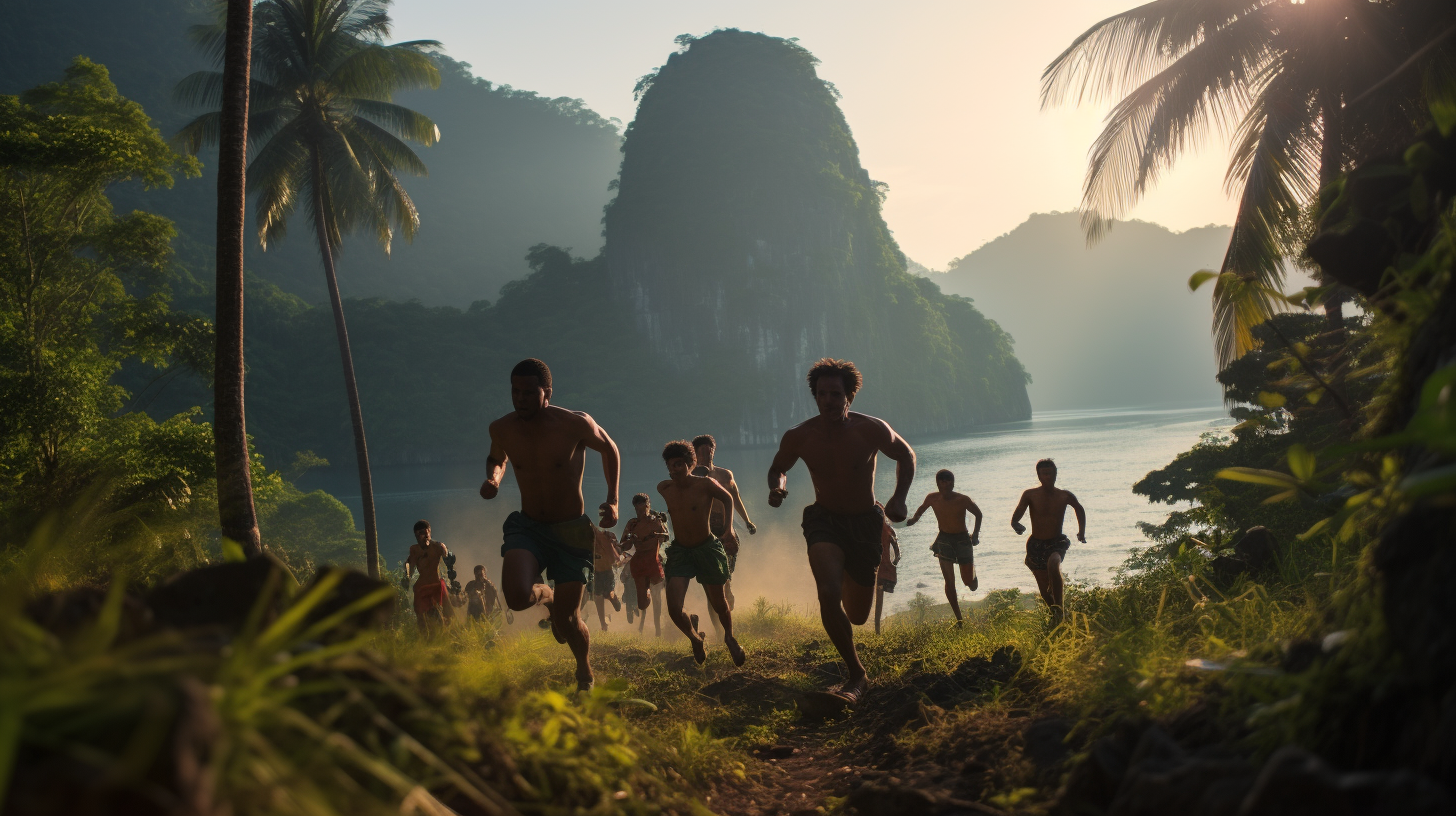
{"points": [[512, 169], [1142, 339], [746, 240]]}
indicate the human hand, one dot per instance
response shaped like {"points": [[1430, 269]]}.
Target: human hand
{"points": [[1018, 527], [895, 509], [975, 538], [776, 496], [752, 530], [608, 511], [489, 489], [910, 521]]}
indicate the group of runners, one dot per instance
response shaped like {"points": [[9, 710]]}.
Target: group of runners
{"points": [[852, 548]]}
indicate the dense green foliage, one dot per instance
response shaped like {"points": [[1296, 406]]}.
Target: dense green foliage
{"points": [[746, 241], [85, 297]]}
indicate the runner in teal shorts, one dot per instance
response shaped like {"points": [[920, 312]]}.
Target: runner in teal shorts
{"points": [[689, 500]]}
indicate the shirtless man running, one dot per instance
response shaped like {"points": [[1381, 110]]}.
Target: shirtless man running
{"points": [[953, 546], [546, 447], [644, 533], [705, 446], [695, 552], [431, 599], [843, 525], [1048, 545]]}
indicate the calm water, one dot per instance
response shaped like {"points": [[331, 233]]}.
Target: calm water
{"points": [[1100, 455]]}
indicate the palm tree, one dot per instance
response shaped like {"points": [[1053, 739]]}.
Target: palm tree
{"points": [[328, 136], [237, 515], [1275, 75]]}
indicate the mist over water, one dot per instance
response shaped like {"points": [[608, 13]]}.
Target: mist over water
{"points": [[1100, 454]]}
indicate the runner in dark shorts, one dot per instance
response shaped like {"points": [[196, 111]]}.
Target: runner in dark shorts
{"points": [[564, 549], [1040, 550], [857, 536], [689, 499], [842, 526], [1048, 545], [955, 544]]}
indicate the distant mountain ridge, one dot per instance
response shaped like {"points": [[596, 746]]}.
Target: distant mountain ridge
{"points": [[512, 169], [1110, 325]]}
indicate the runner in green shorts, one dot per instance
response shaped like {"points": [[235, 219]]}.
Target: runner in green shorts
{"points": [[689, 499]]}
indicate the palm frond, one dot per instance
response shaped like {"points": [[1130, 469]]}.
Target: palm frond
{"points": [[278, 175], [1126, 49], [398, 120], [378, 72], [199, 133], [1276, 164]]}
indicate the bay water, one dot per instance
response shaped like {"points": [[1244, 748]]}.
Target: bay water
{"points": [[1099, 453]]}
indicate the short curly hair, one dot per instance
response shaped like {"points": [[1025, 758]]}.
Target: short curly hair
{"points": [[1046, 463], [705, 439], [642, 498], [531, 367], [678, 449], [843, 369]]}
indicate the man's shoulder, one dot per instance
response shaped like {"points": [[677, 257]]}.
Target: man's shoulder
{"points": [[870, 424]]}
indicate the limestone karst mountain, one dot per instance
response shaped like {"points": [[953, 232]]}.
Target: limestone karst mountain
{"points": [[746, 240], [1110, 325]]}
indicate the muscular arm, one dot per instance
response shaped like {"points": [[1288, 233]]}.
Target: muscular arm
{"points": [[923, 505], [495, 467], [1020, 510], [598, 440], [895, 447], [732, 488], [778, 472], [1081, 516], [975, 511]]}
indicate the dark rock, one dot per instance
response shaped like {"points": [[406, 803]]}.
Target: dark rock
{"points": [[890, 800], [1257, 549], [353, 586], [1045, 742], [1094, 779], [741, 687], [975, 675], [67, 613], [1296, 783], [220, 596], [1299, 655], [833, 670]]}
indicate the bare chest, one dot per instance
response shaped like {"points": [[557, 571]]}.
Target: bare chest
{"points": [[544, 455]]}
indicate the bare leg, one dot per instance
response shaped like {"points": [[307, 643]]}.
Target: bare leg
{"points": [[677, 591], [518, 581], [566, 619], [947, 571], [879, 605], [1055, 587], [826, 560], [968, 575], [602, 612], [718, 601], [657, 591], [713, 614], [728, 593], [644, 598]]}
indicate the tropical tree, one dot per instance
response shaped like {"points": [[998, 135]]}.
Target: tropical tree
{"points": [[1276, 76], [237, 513], [328, 135]]}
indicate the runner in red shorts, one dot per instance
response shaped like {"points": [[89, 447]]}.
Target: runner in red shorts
{"points": [[643, 537]]}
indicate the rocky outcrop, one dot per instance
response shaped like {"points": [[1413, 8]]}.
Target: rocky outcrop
{"points": [[746, 242]]}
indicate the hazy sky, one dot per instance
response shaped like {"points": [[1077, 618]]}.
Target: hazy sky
{"points": [[942, 96]]}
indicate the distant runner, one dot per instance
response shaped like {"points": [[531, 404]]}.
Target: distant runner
{"points": [[546, 447], [885, 579], [643, 537], [604, 575], [1048, 545], [695, 552], [481, 597], [953, 546], [705, 446], [843, 527], [432, 604]]}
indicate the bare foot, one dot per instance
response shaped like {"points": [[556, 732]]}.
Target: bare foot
{"points": [[700, 654], [735, 651], [584, 680], [693, 619], [616, 602], [853, 689], [975, 582]]}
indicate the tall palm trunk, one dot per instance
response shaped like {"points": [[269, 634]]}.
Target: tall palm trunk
{"points": [[236, 513], [351, 386], [1331, 153]]}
